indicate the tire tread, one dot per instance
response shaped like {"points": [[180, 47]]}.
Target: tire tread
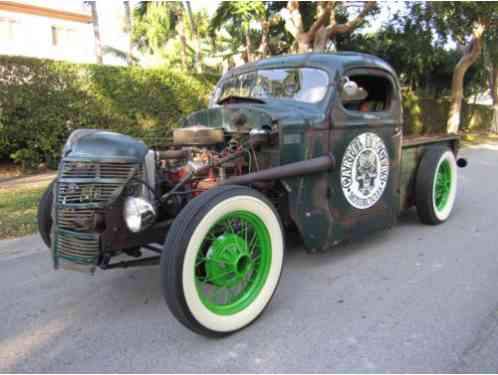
{"points": [[44, 214], [424, 185]]}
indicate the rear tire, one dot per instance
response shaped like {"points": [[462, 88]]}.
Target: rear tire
{"points": [[222, 260], [436, 185], [44, 215]]}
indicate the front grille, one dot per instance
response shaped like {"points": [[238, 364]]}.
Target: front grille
{"points": [[83, 186], [76, 218], [87, 169], [79, 248], [85, 192]]}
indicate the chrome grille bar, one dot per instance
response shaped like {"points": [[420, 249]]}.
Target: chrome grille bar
{"points": [[75, 247], [82, 186], [86, 192], [95, 170]]}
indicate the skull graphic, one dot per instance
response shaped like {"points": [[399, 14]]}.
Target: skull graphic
{"points": [[366, 171]]}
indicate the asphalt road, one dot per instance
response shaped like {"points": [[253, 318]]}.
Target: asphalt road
{"points": [[415, 298]]}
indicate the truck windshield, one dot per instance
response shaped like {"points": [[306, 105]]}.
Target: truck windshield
{"points": [[301, 84]]}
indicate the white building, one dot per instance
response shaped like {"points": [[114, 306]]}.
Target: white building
{"points": [[61, 29], [63, 33]]}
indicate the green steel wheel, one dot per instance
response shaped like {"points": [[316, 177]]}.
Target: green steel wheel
{"points": [[222, 260], [442, 186], [436, 184]]}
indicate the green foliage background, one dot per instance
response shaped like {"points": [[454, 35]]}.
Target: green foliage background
{"points": [[424, 115], [43, 101]]}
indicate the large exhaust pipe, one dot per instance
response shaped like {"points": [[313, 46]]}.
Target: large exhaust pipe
{"points": [[298, 169]]}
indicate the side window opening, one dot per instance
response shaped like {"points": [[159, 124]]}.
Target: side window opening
{"points": [[378, 94]]}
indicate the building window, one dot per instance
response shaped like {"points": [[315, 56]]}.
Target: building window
{"points": [[63, 36], [7, 29]]}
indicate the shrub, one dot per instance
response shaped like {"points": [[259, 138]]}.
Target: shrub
{"points": [[42, 101], [426, 115]]}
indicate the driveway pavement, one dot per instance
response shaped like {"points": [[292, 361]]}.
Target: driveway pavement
{"points": [[416, 298], [22, 181]]}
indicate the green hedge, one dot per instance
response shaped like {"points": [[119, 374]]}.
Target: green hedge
{"points": [[42, 101], [426, 116]]}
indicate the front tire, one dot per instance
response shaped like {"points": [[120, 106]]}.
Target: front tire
{"points": [[436, 185], [222, 260], [44, 215]]}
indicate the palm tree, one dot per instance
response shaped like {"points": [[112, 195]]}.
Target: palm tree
{"points": [[195, 37], [96, 31], [236, 17], [128, 25], [157, 23]]}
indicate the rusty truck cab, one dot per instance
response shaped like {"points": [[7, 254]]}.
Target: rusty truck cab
{"points": [[323, 206]]}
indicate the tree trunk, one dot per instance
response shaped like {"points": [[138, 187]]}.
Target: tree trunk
{"points": [[129, 56], [183, 41], [470, 55], [195, 37], [319, 34], [248, 45], [180, 28], [96, 32], [264, 46], [303, 44], [294, 25], [321, 40], [493, 89]]}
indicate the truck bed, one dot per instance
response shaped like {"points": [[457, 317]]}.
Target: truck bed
{"points": [[419, 140], [413, 148]]}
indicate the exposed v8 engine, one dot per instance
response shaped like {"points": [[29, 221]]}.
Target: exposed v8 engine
{"points": [[210, 154]]}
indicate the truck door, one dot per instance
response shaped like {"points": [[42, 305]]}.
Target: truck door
{"points": [[366, 141]]}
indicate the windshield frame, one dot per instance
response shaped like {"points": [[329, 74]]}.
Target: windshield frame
{"points": [[241, 71]]}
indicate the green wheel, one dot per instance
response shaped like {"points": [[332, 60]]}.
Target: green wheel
{"points": [[222, 260], [436, 185]]}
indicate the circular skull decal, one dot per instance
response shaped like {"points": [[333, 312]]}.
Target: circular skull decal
{"points": [[364, 170]]}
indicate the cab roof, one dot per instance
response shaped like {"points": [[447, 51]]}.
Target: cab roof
{"points": [[332, 62]]}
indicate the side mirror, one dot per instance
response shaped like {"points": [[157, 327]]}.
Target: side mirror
{"points": [[351, 91], [349, 88]]}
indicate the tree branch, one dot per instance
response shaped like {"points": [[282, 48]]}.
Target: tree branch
{"points": [[292, 18], [332, 21], [322, 19], [473, 51], [353, 24], [470, 56]]}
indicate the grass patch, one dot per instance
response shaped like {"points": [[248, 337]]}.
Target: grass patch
{"points": [[18, 207]]}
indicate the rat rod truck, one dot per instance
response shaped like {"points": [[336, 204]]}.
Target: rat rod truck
{"points": [[311, 142]]}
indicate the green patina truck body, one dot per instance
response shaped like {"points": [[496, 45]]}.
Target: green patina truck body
{"points": [[311, 142]]}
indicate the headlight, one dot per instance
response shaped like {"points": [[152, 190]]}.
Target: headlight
{"points": [[138, 214]]}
